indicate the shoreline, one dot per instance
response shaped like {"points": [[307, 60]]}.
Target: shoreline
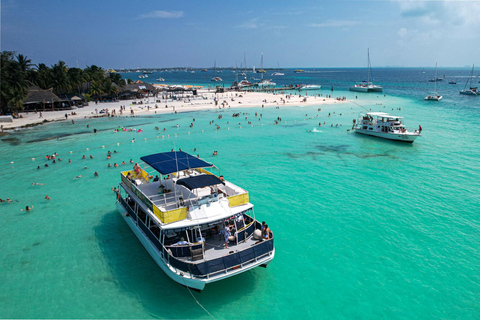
{"points": [[205, 100]]}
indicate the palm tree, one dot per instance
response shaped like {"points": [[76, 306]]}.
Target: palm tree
{"points": [[24, 63], [60, 78]]}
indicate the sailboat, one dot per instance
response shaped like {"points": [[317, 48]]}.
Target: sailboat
{"points": [[245, 83], [261, 70], [278, 73], [435, 96], [215, 78], [472, 91], [264, 83], [367, 86]]}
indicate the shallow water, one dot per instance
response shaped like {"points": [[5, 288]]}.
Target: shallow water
{"points": [[364, 228]]}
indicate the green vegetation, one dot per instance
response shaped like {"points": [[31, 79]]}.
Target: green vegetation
{"points": [[18, 73]]}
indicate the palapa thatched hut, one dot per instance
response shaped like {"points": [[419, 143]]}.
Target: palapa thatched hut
{"points": [[40, 99]]}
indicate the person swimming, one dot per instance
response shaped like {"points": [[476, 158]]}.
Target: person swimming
{"points": [[77, 177], [37, 184]]}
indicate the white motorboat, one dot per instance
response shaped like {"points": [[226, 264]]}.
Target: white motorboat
{"points": [[160, 79], [367, 86], [217, 79], [278, 74], [178, 216], [435, 96], [383, 125], [265, 83], [309, 87], [472, 91]]}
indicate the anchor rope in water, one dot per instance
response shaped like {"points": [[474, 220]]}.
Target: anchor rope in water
{"points": [[197, 300]]}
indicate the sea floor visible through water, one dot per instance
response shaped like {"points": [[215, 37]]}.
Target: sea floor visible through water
{"points": [[364, 228]]}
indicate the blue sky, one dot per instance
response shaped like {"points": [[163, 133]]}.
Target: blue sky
{"points": [[132, 34]]}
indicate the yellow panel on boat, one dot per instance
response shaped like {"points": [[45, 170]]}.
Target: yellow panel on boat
{"points": [[238, 199], [170, 216]]}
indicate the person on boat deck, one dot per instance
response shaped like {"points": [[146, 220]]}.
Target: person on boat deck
{"points": [[161, 189], [226, 234], [129, 177], [181, 242], [265, 232], [156, 178], [420, 129], [221, 178]]}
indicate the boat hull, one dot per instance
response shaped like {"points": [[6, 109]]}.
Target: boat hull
{"points": [[177, 275], [402, 137], [468, 93], [366, 89]]}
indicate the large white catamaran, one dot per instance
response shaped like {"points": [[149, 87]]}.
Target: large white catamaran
{"points": [[198, 227]]}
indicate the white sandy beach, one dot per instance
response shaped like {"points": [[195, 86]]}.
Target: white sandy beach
{"points": [[204, 100]]}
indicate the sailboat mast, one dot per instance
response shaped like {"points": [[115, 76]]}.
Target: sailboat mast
{"points": [[435, 77], [261, 62], [245, 64], [368, 66], [236, 72]]}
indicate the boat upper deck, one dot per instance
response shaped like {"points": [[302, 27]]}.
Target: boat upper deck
{"points": [[189, 194]]}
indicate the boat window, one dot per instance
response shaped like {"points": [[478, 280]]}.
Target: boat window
{"points": [[142, 215], [155, 229], [364, 128]]}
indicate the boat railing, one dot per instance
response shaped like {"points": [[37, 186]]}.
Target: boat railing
{"points": [[166, 216], [221, 265], [236, 196]]}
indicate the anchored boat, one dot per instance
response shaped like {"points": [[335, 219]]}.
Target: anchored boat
{"points": [[184, 217], [383, 125], [367, 86]]}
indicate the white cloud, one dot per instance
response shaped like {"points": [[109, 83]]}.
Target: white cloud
{"points": [[250, 24], [162, 15], [335, 24]]}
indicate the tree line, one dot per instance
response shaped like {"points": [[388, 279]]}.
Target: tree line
{"points": [[18, 73]]}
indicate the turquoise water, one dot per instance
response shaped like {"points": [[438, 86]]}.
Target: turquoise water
{"points": [[364, 228]]}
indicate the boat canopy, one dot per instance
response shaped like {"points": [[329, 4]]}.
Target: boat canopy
{"points": [[169, 162], [377, 114], [200, 181]]}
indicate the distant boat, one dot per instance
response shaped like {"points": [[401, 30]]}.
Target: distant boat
{"points": [[472, 91], [435, 96], [298, 70], [192, 71], [204, 70], [309, 87], [278, 74], [367, 86], [265, 83], [160, 79], [245, 83], [215, 78], [452, 82], [423, 71]]}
